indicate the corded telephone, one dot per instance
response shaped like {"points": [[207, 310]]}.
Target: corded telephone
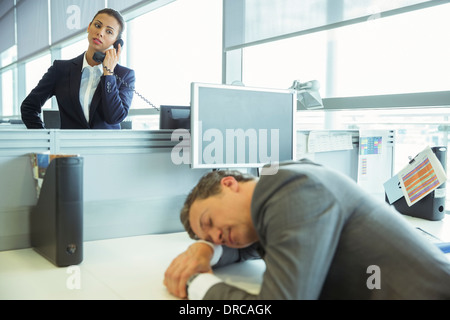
{"points": [[100, 56]]}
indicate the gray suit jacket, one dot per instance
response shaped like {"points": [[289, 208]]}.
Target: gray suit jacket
{"points": [[322, 237]]}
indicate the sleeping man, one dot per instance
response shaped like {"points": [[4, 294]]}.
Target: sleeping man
{"points": [[320, 235]]}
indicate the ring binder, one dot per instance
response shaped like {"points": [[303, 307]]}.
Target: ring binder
{"points": [[432, 206]]}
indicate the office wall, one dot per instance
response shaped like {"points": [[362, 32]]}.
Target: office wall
{"points": [[131, 186]]}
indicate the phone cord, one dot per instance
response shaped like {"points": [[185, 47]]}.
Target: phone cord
{"points": [[132, 88]]}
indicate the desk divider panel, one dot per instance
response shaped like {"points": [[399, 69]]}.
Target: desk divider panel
{"points": [[131, 185]]}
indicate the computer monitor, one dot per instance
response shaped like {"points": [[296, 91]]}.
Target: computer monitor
{"points": [[241, 127], [51, 119], [175, 117]]}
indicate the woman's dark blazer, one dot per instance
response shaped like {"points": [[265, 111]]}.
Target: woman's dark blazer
{"points": [[110, 103]]}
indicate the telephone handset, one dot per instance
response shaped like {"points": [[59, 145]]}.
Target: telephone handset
{"points": [[100, 56]]}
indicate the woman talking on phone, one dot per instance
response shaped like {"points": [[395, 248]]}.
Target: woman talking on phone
{"points": [[91, 94]]}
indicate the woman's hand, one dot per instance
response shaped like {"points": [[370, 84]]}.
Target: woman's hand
{"points": [[111, 60]]}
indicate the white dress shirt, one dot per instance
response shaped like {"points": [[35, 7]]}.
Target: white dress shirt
{"points": [[89, 81], [201, 284]]}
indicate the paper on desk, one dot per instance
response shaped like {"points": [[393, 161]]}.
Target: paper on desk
{"points": [[323, 141], [421, 176]]}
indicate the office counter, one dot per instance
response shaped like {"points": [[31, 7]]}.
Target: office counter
{"points": [[128, 268]]}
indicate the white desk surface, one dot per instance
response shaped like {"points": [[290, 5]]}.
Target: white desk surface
{"points": [[129, 268], [123, 268], [440, 229]]}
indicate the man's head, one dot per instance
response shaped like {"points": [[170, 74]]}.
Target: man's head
{"points": [[218, 209]]}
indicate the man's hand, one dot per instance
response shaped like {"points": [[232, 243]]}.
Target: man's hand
{"points": [[196, 259]]}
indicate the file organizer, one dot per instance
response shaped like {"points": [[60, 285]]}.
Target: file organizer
{"points": [[432, 206], [56, 222]]}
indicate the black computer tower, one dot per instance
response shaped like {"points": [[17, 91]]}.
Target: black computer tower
{"points": [[432, 206], [56, 222]]}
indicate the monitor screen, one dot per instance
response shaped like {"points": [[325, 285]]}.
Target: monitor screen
{"points": [[51, 119], [241, 127], [175, 117]]}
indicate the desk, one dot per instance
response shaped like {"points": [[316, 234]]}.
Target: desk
{"points": [[123, 268], [129, 268], [439, 229]]}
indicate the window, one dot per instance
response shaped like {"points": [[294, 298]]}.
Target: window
{"points": [[7, 93], [7, 88], [75, 49], [399, 54], [34, 70], [404, 53], [278, 64], [173, 46]]}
